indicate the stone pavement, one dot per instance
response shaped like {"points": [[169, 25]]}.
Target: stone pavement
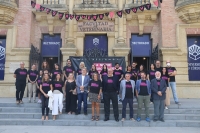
{"points": [[88, 129]]}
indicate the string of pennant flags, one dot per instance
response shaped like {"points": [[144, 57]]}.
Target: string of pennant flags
{"points": [[89, 17]]}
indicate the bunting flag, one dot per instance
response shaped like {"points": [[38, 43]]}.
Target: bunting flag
{"points": [[77, 17], [128, 11], [54, 13], [48, 10], [71, 16], [42, 8], [83, 16], [119, 13], [107, 14], [134, 9], [66, 16], [95, 17], [60, 15], [148, 6], [33, 4], [101, 16], [89, 17], [141, 8]]}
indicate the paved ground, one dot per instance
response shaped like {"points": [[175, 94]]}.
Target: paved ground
{"points": [[62, 129]]}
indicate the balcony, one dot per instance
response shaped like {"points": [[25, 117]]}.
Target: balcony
{"points": [[135, 3], [100, 6], [8, 9], [188, 10], [62, 4]]}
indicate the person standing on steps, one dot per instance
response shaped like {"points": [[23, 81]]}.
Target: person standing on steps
{"points": [[92, 71], [68, 69], [32, 79], [20, 74], [127, 94], [104, 71], [150, 76], [141, 69], [39, 81], [79, 70], [57, 95], [56, 71], [110, 91], [45, 86], [95, 90], [143, 93], [158, 66], [82, 82], [70, 94], [45, 66], [172, 81], [158, 88]]}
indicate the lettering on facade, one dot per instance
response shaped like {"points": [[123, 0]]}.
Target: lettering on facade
{"points": [[97, 26], [194, 66], [140, 43]]}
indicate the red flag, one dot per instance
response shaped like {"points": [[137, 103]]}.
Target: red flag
{"points": [[155, 2]]}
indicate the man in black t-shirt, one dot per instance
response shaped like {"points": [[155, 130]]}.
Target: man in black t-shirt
{"points": [[172, 82], [158, 66], [110, 93], [20, 74], [68, 69], [134, 71]]}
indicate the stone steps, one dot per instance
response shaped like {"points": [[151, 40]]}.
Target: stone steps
{"points": [[110, 123]]}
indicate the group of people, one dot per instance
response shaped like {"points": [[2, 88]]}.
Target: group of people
{"points": [[100, 87]]}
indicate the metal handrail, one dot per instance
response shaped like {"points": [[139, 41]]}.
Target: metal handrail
{"points": [[95, 2]]}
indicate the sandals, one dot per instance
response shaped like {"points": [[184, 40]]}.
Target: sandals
{"points": [[97, 119], [93, 117]]}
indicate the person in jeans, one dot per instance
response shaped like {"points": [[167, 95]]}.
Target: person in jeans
{"points": [[127, 94], [172, 81], [95, 89], [32, 79], [143, 93], [45, 86], [158, 88], [82, 82], [20, 74], [110, 91]]}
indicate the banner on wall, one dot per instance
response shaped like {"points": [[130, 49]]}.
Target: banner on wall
{"points": [[141, 45], [96, 43], [2, 57], [193, 45], [109, 61], [51, 45]]}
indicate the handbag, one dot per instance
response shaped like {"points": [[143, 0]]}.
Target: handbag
{"points": [[74, 92]]}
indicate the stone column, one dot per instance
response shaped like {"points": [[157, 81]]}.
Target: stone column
{"points": [[120, 24]]}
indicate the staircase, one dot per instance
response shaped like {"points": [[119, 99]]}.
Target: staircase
{"points": [[185, 115]]}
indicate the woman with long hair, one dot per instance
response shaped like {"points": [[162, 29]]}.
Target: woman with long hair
{"points": [[141, 69], [92, 71], [56, 71], [70, 93], [151, 73], [57, 96], [95, 90], [104, 71], [45, 66], [128, 70], [45, 86], [81, 66]]}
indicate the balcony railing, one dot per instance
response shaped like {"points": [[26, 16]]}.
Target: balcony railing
{"points": [[140, 2], [185, 2], [51, 2], [95, 2]]}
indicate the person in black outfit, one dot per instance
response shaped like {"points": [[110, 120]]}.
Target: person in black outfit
{"points": [[150, 76], [104, 71], [71, 95], [118, 73], [92, 71], [141, 69], [110, 93], [20, 74], [134, 72], [45, 66], [39, 81], [68, 69], [158, 66], [128, 71], [95, 89], [79, 70], [45, 86], [56, 71]]}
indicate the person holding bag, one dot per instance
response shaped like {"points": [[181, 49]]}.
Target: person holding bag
{"points": [[45, 86], [95, 89], [70, 94]]}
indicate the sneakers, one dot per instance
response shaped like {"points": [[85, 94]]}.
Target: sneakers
{"points": [[166, 107], [148, 119], [21, 102], [39, 101], [178, 103], [138, 119], [17, 102], [162, 120], [132, 119], [151, 102], [122, 119]]}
